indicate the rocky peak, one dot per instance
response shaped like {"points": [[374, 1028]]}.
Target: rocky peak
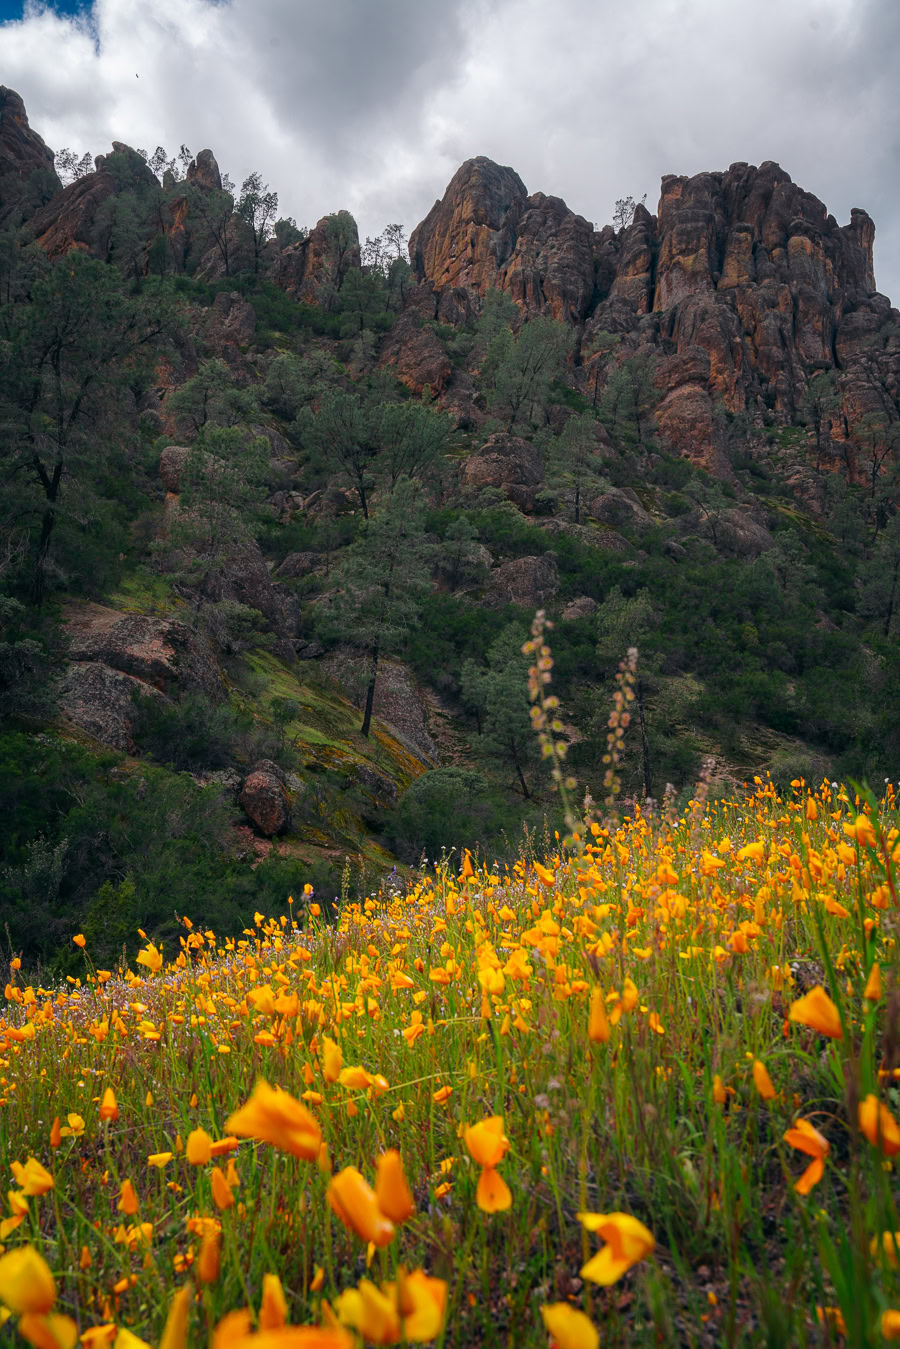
{"points": [[22, 153], [203, 171], [742, 287], [468, 235]]}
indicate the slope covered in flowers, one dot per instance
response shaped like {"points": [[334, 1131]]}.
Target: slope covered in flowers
{"points": [[644, 1092]]}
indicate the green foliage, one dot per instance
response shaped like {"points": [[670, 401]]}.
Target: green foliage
{"points": [[196, 734], [519, 371], [72, 355], [497, 694], [444, 809]]}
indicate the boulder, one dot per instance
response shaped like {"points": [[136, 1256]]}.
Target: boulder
{"points": [[69, 220], [230, 324], [398, 701], [264, 799], [171, 466], [581, 607], [162, 653], [620, 508], [531, 582], [203, 171], [297, 564], [99, 700], [503, 461], [314, 268]]}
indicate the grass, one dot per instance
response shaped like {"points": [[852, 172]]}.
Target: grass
{"points": [[611, 1005]]}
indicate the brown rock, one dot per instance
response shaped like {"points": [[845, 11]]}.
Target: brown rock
{"points": [[314, 269], [620, 508], [23, 154], [230, 324], [504, 461], [412, 349], [171, 466], [160, 652], [297, 564], [531, 582], [203, 171], [69, 219], [471, 231], [742, 285], [581, 607], [100, 700], [264, 799]]}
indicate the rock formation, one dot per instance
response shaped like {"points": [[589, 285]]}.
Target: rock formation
{"points": [[316, 266], [264, 798], [742, 288], [24, 161]]}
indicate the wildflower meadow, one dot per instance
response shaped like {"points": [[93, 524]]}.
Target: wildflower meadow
{"points": [[639, 1087]]}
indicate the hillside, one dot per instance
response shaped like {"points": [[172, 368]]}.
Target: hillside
{"points": [[279, 506]]}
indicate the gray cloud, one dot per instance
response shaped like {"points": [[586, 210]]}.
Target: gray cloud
{"points": [[373, 105]]}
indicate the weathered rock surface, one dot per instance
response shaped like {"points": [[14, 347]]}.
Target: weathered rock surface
{"points": [[619, 508], [203, 171], [529, 581], [581, 607], [23, 155], [504, 461], [160, 652], [413, 351], [70, 219], [313, 269], [398, 700], [230, 324], [100, 700], [487, 232], [741, 289], [264, 798], [297, 564]]}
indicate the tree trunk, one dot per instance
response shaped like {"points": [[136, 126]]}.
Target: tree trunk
{"points": [[525, 792], [370, 694]]}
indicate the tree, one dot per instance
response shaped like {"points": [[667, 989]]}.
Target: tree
{"points": [[498, 694], [211, 398], [215, 207], [294, 381], [71, 167], [818, 409], [462, 558], [626, 406], [68, 356], [288, 232], [339, 434], [880, 598], [624, 211], [520, 370], [257, 206], [575, 461], [384, 581], [212, 529], [408, 436]]}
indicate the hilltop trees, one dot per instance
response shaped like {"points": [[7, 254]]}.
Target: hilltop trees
{"points": [[71, 354]]}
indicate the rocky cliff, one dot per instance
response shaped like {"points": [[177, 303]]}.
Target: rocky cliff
{"points": [[24, 158], [742, 287]]}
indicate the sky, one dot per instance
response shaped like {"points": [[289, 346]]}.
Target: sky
{"points": [[372, 105]]}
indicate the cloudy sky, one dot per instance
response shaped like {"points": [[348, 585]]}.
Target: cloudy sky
{"points": [[373, 104]]}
